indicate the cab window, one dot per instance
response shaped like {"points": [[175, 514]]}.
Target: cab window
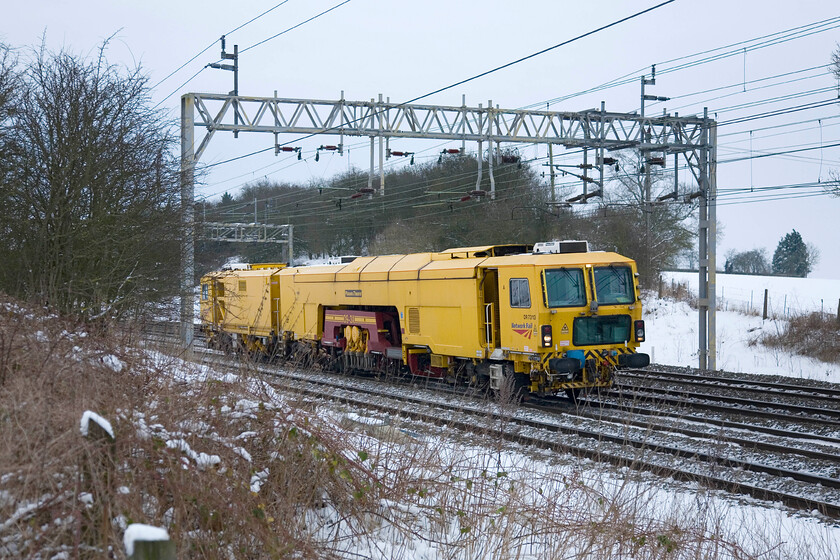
{"points": [[564, 287], [614, 285], [520, 294], [205, 290]]}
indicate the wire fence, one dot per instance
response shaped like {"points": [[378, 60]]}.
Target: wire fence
{"points": [[774, 297]]}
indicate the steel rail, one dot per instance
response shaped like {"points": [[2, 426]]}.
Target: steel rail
{"points": [[788, 408], [783, 389]]}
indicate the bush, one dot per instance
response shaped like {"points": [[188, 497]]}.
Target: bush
{"points": [[816, 335]]}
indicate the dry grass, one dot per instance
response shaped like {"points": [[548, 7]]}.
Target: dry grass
{"points": [[232, 469], [815, 335], [677, 291]]}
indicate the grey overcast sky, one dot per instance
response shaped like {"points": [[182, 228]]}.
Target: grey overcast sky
{"points": [[405, 49]]}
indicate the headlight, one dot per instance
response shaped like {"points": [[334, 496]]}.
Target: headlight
{"points": [[639, 328], [546, 338]]}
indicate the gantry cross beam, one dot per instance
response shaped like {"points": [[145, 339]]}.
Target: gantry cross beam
{"points": [[594, 128]]}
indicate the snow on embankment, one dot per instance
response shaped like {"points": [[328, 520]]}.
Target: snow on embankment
{"points": [[786, 296], [672, 327]]}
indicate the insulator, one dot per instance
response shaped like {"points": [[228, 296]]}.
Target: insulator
{"points": [[356, 195], [288, 149], [478, 193], [366, 190], [395, 153], [330, 147], [465, 198], [453, 151]]}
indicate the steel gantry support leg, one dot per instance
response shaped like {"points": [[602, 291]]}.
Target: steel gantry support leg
{"points": [[707, 304], [712, 291], [381, 153], [187, 219], [372, 152], [291, 244], [490, 153], [551, 171], [480, 160]]}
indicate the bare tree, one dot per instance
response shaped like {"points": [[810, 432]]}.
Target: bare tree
{"points": [[9, 88], [655, 234], [747, 262], [92, 188]]}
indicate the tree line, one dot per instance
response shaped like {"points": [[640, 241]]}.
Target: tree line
{"points": [[792, 257], [428, 207]]}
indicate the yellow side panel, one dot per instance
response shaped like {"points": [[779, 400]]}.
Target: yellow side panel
{"points": [[312, 326], [248, 310], [445, 330], [448, 315]]}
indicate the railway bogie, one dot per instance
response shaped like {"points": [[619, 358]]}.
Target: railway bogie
{"points": [[547, 323]]}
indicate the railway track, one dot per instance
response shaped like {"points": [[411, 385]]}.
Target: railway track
{"points": [[818, 406], [739, 383], [613, 441], [800, 469]]}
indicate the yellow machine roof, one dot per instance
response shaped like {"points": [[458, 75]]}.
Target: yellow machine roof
{"points": [[452, 263], [557, 259]]}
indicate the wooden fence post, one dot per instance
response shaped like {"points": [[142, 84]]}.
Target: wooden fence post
{"points": [[97, 474], [764, 315], [153, 550], [145, 542], [838, 311]]}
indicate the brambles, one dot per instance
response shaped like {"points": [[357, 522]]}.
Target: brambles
{"points": [[816, 335]]}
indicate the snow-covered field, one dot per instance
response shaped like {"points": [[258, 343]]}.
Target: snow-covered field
{"points": [[672, 327], [786, 296]]}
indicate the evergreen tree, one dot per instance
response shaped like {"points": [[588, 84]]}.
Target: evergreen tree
{"points": [[791, 257]]}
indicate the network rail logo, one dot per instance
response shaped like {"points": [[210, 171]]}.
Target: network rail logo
{"points": [[524, 329]]}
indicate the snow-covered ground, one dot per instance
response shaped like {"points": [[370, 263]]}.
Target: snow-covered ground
{"points": [[786, 296], [672, 327], [540, 509], [446, 494]]}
